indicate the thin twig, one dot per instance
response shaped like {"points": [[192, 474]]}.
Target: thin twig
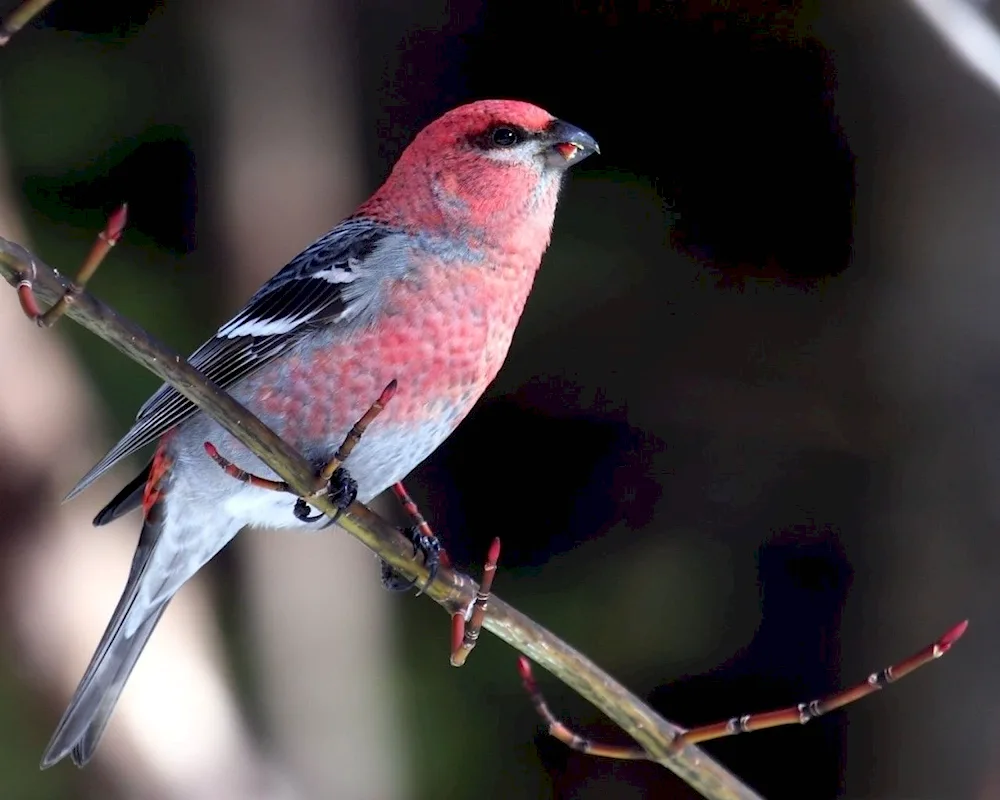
{"points": [[106, 239], [242, 475], [465, 635], [20, 17], [804, 712], [792, 715], [451, 590], [565, 734]]}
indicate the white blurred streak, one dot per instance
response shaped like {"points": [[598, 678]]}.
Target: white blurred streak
{"points": [[177, 732], [285, 103], [969, 32]]}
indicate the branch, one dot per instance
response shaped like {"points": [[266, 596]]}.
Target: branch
{"points": [[798, 714], [455, 592], [20, 17]]}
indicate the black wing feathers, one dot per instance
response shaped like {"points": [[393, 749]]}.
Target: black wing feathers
{"points": [[311, 290]]}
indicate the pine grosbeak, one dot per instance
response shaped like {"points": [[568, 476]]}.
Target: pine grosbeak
{"points": [[424, 284]]}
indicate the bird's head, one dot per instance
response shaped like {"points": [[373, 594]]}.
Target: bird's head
{"points": [[507, 133], [494, 165]]}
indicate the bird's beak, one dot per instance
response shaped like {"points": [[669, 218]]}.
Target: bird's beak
{"points": [[567, 145]]}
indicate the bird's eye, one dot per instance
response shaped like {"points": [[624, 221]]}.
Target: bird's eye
{"points": [[505, 136]]}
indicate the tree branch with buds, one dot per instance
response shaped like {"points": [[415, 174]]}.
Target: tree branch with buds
{"points": [[798, 714], [38, 284]]}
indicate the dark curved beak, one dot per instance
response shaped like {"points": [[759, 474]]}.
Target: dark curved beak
{"points": [[568, 144]]}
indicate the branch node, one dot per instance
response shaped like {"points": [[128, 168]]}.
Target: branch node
{"points": [[470, 632], [747, 723], [106, 239], [804, 712]]}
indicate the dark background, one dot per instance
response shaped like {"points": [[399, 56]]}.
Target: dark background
{"points": [[740, 451]]}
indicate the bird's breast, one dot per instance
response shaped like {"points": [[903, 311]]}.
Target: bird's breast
{"points": [[442, 335]]}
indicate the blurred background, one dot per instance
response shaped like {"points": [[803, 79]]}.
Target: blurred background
{"points": [[745, 443]]}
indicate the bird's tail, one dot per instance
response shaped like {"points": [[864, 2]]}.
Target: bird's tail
{"points": [[83, 724], [172, 547], [135, 617]]}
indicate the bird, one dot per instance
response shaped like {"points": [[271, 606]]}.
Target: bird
{"points": [[423, 284]]}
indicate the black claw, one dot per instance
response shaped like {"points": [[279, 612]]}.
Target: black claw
{"points": [[342, 488], [302, 509], [342, 491], [429, 547], [393, 581]]}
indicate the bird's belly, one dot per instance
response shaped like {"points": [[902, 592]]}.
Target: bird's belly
{"points": [[384, 456], [316, 409], [382, 459]]}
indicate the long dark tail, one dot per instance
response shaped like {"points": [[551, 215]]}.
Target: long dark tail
{"points": [[128, 499], [83, 724]]}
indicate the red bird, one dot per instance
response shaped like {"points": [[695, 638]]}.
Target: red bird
{"points": [[424, 284]]}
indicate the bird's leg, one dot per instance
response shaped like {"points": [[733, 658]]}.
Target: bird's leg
{"points": [[106, 239], [424, 542], [465, 627], [332, 479], [792, 715], [336, 482]]}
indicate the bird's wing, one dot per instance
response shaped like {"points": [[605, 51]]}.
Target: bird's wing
{"points": [[333, 282]]}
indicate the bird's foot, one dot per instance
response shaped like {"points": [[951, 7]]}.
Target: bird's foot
{"points": [[428, 546], [424, 542], [392, 580], [465, 626], [342, 490]]}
